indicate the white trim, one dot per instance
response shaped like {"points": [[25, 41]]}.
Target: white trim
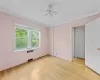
{"points": [[39, 39], [72, 40], [26, 49], [26, 27], [83, 16], [40, 23], [72, 37], [22, 17]]}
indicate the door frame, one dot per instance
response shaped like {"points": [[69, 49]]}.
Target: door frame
{"points": [[73, 37]]}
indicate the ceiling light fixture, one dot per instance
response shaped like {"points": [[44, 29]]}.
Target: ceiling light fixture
{"points": [[49, 10]]}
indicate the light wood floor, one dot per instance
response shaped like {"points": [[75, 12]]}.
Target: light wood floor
{"points": [[49, 68], [79, 60]]}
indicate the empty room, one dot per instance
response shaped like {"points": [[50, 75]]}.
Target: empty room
{"points": [[49, 40]]}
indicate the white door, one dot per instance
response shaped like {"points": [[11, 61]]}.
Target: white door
{"points": [[92, 39], [79, 42]]}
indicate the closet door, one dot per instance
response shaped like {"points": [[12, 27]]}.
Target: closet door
{"points": [[79, 38], [92, 51]]}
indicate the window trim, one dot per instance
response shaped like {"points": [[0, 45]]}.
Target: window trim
{"points": [[29, 29]]}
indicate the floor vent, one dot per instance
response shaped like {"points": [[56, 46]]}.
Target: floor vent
{"points": [[30, 60], [29, 51]]}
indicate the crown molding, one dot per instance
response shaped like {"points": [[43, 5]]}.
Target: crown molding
{"points": [[42, 24], [22, 17], [77, 18]]}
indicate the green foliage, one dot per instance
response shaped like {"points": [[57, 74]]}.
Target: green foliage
{"points": [[35, 39], [21, 43], [21, 32], [21, 38]]}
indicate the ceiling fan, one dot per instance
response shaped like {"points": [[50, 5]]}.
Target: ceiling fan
{"points": [[49, 11]]}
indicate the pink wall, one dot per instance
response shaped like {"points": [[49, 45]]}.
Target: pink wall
{"points": [[8, 57], [62, 40], [63, 36]]}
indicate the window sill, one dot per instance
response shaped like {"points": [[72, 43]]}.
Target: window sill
{"points": [[26, 49]]}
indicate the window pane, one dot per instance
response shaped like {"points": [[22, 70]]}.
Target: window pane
{"points": [[21, 43], [21, 38], [35, 38], [21, 32]]}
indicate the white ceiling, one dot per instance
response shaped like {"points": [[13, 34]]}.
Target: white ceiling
{"points": [[67, 9]]}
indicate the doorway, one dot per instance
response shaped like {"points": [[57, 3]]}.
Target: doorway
{"points": [[79, 44]]}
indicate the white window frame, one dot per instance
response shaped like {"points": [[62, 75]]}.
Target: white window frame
{"points": [[29, 38]]}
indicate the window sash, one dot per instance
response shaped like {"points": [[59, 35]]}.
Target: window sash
{"points": [[32, 38], [20, 37]]}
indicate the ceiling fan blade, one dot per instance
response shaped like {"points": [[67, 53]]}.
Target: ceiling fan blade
{"points": [[54, 12], [46, 14], [50, 6], [49, 10], [51, 14], [44, 10]]}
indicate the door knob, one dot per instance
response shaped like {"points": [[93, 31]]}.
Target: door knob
{"points": [[98, 48]]}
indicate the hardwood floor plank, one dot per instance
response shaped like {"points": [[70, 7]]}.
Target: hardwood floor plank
{"points": [[49, 68], [79, 60]]}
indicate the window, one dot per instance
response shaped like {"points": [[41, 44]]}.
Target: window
{"points": [[26, 38], [35, 38]]}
